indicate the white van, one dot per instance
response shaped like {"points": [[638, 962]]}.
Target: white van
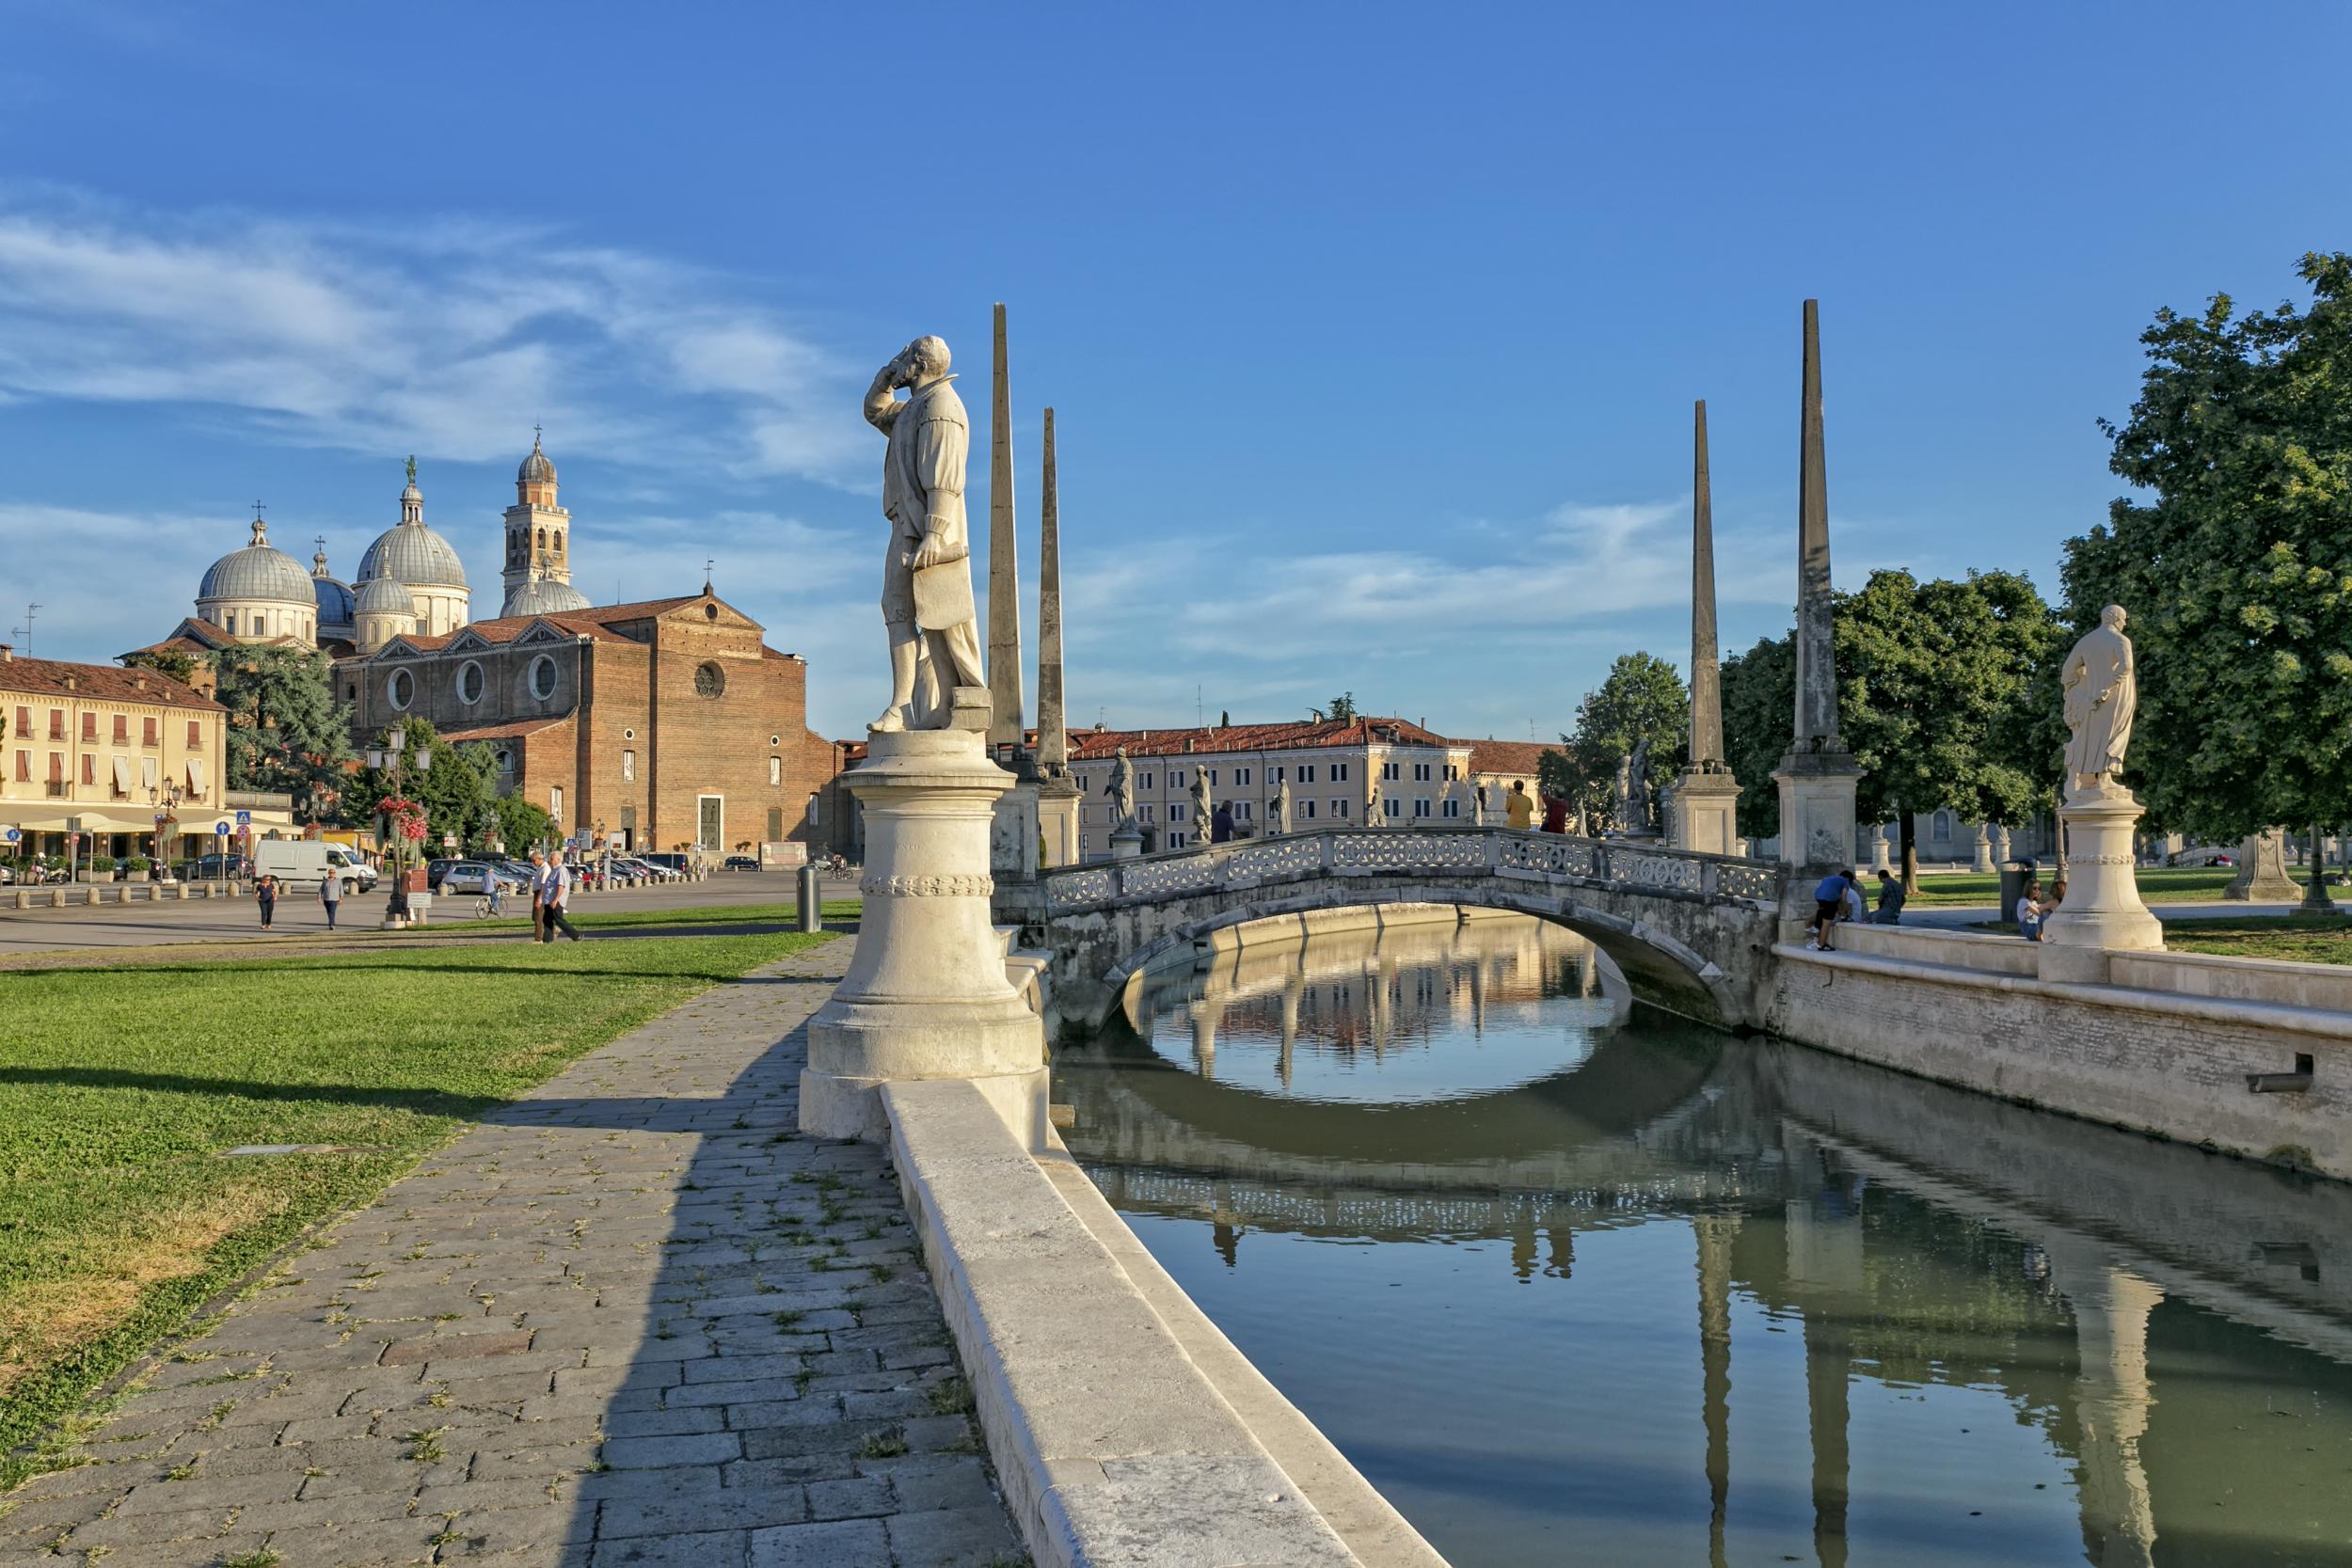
{"points": [[304, 863]]}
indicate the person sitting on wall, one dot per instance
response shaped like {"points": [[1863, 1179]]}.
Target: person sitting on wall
{"points": [[1850, 903], [1829, 898], [1891, 896], [2030, 912]]}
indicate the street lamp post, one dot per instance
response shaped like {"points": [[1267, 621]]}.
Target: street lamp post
{"points": [[391, 756], [164, 800]]}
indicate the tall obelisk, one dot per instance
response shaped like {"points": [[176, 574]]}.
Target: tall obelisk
{"points": [[1058, 803], [1004, 568], [1707, 797], [1818, 775]]}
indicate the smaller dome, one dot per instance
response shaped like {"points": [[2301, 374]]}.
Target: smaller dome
{"points": [[536, 470], [256, 571], [334, 600], [544, 596], [416, 555], [384, 597]]}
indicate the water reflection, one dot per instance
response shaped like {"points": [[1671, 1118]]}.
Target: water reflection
{"points": [[1571, 1283]]}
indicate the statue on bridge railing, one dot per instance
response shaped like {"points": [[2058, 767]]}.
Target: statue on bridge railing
{"points": [[1633, 801], [1123, 793], [1204, 807], [1278, 813]]}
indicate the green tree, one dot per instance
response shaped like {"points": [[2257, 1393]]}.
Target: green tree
{"points": [[1343, 707], [452, 788], [173, 662], [286, 732], [1939, 688], [518, 824], [2235, 561], [1642, 699]]}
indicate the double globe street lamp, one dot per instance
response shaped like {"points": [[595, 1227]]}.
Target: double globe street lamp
{"points": [[391, 756], [164, 801]]}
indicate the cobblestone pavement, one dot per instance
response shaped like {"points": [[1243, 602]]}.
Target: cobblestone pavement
{"points": [[632, 1318]]}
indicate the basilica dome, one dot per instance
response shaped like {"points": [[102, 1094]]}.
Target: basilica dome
{"points": [[544, 596], [383, 596], [334, 601], [414, 554], [256, 572]]}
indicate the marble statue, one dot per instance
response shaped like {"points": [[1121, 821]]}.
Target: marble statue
{"points": [[1633, 790], [2101, 694], [1279, 810], [1204, 807], [927, 567], [1123, 793], [1376, 815]]}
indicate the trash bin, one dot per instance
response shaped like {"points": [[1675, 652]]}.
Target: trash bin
{"points": [[812, 911], [2014, 875]]}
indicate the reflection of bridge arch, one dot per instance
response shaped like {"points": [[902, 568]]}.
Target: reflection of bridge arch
{"points": [[1690, 932]]}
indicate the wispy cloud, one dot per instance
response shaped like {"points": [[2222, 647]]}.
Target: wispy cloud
{"points": [[437, 336]]}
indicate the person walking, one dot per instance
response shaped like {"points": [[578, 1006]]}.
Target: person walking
{"points": [[1891, 896], [331, 895], [265, 895], [1555, 815], [555, 884], [1519, 810]]}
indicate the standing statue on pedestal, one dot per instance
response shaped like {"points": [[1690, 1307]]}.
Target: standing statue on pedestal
{"points": [[1203, 808], [1633, 790], [1373, 815], [1278, 811], [2101, 694], [927, 565], [1123, 793]]}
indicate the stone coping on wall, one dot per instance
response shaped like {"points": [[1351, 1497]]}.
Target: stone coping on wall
{"points": [[1127, 1433]]}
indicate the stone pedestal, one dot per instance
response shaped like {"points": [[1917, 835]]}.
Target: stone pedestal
{"points": [[1706, 814], [1982, 860], [1012, 832], [2262, 870], [1127, 844], [1816, 789], [1057, 802], [925, 995], [2103, 907], [1881, 850]]}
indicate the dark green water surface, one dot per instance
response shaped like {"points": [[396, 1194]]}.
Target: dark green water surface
{"points": [[1575, 1286]]}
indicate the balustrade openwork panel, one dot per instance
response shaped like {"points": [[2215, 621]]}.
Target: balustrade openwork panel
{"points": [[1549, 854], [1401, 849], [1632, 868]]}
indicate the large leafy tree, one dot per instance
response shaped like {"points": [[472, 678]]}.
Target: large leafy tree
{"points": [[1940, 686], [2235, 561], [286, 731], [452, 788], [1643, 698]]}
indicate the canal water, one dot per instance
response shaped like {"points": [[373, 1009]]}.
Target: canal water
{"points": [[1577, 1283]]}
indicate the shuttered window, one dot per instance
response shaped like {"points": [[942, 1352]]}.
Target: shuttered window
{"points": [[89, 768], [56, 723], [89, 729], [24, 768], [122, 729], [56, 767], [196, 734], [24, 721], [148, 736]]}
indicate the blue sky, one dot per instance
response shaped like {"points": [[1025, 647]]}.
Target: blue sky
{"points": [[1371, 330]]}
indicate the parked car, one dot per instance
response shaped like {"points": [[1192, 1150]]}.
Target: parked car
{"points": [[672, 867], [742, 862], [476, 875], [306, 862], [220, 868]]}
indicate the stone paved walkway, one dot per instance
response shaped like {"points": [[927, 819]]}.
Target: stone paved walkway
{"points": [[634, 1318]]}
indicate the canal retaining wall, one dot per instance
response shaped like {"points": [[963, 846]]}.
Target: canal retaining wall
{"points": [[2248, 1056], [1125, 1428]]}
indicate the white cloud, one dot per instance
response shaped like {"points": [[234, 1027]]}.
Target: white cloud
{"points": [[440, 336]]}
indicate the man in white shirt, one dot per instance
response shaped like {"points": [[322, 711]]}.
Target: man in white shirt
{"points": [[555, 886]]}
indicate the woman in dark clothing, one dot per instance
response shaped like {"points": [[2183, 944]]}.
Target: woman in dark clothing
{"points": [[266, 894]]}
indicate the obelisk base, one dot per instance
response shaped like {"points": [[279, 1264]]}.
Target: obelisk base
{"points": [[1707, 812], [925, 995], [1057, 802], [1817, 808], [2102, 907]]}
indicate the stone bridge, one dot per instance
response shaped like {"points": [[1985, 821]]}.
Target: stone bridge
{"points": [[1691, 933]]}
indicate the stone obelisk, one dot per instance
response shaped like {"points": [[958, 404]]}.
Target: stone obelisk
{"points": [[1004, 566], [1818, 775], [1012, 845], [1058, 800], [1706, 797]]}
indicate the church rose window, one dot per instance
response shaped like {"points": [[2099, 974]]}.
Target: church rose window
{"points": [[709, 680], [469, 682], [400, 688], [543, 677]]}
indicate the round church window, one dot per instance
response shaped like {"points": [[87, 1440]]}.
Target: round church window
{"points": [[543, 677], [470, 683], [709, 681], [399, 688]]}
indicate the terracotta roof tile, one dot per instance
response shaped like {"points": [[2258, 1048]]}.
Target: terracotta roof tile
{"points": [[53, 679], [1515, 757], [1091, 745], [511, 730]]}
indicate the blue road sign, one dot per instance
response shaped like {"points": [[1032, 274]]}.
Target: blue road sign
{"points": [[245, 818], [12, 835], [220, 829]]}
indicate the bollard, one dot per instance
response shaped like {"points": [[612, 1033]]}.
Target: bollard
{"points": [[812, 900], [24, 899]]}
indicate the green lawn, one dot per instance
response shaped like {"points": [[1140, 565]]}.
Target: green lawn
{"points": [[121, 1086], [596, 917], [2158, 884], [2303, 939]]}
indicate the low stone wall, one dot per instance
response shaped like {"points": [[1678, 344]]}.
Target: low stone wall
{"points": [[2167, 1046], [1124, 1428]]}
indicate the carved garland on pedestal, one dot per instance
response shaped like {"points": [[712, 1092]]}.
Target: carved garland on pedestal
{"points": [[953, 886]]}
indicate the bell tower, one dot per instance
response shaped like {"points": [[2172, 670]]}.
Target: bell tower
{"points": [[538, 531]]}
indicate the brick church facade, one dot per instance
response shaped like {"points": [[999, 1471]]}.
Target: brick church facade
{"points": [[657, 726]]}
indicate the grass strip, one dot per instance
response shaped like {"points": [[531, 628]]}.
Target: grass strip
{"points": [[2158, 884], [2298, 938], [121, 1086], [596, 919]]}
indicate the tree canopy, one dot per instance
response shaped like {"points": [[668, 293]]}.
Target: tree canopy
{"points": [[2234, 561], [286, 733], [453, 789], [1643, 698]]}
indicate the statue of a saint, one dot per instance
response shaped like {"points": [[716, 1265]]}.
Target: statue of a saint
{"points": [[2102, 692], [1278, 811], [1637, 788], [1376, 815], [1123, 793], [1204, 807], [927, 567]]}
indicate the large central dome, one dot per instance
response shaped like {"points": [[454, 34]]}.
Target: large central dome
{"points": [[414, 554]]}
